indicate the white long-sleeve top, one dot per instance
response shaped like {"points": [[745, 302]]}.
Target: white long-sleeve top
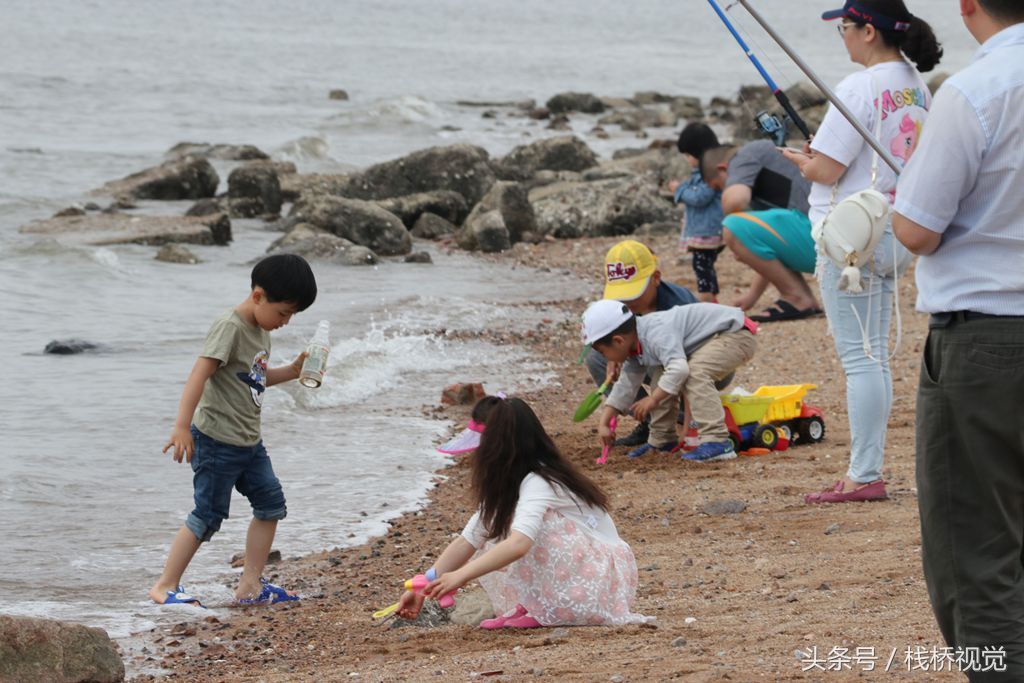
{"points": [[667, 339]]}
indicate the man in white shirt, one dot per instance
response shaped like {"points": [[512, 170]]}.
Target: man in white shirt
{"points": [[960, 205]]}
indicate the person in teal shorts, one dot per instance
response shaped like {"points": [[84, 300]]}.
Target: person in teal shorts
{"points": [[766, 225]]}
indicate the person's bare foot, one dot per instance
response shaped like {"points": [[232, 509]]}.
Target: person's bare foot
{"points": [[158, 594]]}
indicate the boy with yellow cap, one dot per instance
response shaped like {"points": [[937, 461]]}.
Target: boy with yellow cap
{"points": [[632, 276]]}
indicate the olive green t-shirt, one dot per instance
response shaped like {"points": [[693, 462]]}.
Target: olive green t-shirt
{"points": [[229, 410]]}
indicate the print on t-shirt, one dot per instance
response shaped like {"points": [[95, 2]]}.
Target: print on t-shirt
{"points": [[902, 145], [256, 378]]}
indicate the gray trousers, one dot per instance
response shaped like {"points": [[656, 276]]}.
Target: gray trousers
{"points": [[970, 480]]}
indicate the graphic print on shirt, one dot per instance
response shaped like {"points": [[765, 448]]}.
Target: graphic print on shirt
{"points": [[256, 378], [905, 142], [908, 97]]}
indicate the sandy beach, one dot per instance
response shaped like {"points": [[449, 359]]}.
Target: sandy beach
{"points": [[736, 594]]}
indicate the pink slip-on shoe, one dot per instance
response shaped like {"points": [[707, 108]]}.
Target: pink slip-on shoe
{"points": [[836, 494], [506, 621]]}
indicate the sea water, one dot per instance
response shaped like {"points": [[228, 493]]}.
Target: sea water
{"points": [[91, 91]]}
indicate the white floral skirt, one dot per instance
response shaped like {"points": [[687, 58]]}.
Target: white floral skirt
{"points": [[568, 578]]}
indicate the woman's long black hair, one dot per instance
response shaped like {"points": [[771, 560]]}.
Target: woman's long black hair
{"points": [[512, 445], [918, 42]]}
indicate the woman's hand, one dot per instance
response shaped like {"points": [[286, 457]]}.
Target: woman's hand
{"points": [[409, 605], [445, 584]]}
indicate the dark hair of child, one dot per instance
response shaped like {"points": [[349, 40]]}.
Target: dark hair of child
{"points": [[918, 42], [512, 445], [286, 278], [695, 139], [628, 327]]}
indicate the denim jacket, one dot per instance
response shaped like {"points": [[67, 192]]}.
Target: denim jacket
{"points": [[703, 207]]}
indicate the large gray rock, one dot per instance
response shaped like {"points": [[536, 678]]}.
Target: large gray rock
{"points": [[205, 207], [186, 178], [444, 203], [294, 185], [224, 152], [617, 206], [465, 169], [803, 95], [314, 244], [254, 191], [688, 108], [486, 233], [118, 228], [658, 165], [563, 153], [56, 651], [430, 226], [359, 221], [512, 201], [575, 101]]}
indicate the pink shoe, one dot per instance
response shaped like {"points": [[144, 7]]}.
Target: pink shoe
{"points": [[873, 491], [500, 622]]}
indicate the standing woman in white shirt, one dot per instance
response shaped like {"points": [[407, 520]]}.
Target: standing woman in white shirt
{"points": [[541, 542], [880, 35]]}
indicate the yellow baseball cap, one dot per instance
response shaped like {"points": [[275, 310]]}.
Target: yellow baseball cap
{"points": [[628, 267]]}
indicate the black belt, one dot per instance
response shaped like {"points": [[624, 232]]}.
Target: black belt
{"points": [[947, 319]]}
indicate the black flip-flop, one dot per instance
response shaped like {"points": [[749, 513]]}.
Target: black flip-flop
{"points": [[783, 310]]}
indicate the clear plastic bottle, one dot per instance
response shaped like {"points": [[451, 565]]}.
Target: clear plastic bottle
{"points": [[312, 374]]}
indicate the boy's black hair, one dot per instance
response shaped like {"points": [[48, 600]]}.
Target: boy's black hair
{"points": [[1004, 10], [286, 278], [628, 327], [695, 139], [722, 154]]}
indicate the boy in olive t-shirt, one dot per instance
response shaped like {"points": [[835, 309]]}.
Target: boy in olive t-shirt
{"points": [[218, 428]]}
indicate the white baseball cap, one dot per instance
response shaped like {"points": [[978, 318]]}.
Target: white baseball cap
{"points": [[602, 318]]}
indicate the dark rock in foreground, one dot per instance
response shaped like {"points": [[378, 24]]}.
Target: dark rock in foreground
{"points": [[254, 191], [205, 207], [186, 178], [69, 347], [47, 650], [224, 152], [312, 243], [575, 101], [359, 221], [564, 153], [116, 228], [419, 257], [487, 232]]}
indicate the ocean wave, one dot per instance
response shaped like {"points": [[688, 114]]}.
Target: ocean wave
{"points": [[307, 148], [407, 109]]}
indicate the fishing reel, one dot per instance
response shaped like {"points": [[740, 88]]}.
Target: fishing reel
{"points": [[772, 126]]}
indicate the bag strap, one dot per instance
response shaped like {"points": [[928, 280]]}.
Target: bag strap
{"points": [[877, 133]]}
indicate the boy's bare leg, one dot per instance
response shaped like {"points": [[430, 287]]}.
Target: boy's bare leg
{"points": [[791, 285], [257, 547], [183, 549]]}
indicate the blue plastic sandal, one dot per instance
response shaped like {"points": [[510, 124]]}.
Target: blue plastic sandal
{"points": [[269, 595], [180, 597], [637, 452]]}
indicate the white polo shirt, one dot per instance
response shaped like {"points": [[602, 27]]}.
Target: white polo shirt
{"points": [[966, 182]]}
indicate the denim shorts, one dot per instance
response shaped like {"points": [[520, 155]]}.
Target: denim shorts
{"points": [[219, 467]]}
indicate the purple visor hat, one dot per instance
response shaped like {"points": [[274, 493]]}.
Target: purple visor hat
{"points": [[862, 14]]}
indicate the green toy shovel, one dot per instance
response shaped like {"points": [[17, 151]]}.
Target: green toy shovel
{"points": [[589, 404]]}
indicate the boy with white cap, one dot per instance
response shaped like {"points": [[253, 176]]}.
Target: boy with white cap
{"points": [[684, 350], [632, 276]]}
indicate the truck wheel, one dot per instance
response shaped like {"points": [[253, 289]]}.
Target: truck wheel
{"points": [[813, 429], [736, 445], [765, 437]]}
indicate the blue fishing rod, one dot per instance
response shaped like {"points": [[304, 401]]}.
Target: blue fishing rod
{"points": [[768, 123]]}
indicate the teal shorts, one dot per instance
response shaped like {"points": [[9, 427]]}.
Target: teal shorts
{"points": [[782, 234]]}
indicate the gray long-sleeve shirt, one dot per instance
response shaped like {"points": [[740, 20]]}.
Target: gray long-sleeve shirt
{"points": [[667, 339]]}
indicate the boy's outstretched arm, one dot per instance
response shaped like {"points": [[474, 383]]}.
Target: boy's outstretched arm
{"points": [[286, 373], [181, 436]]}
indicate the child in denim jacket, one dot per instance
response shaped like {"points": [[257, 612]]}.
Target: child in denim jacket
{"points": [[702, 227], [218, 428]]}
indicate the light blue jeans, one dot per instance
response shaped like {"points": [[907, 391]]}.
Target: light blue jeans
{"points": [[868, 380]]}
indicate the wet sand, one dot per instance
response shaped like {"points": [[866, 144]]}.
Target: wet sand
{"points": [[735, 595]]}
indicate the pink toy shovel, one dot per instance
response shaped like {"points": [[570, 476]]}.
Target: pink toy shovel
{"points": [[604, 451]]}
